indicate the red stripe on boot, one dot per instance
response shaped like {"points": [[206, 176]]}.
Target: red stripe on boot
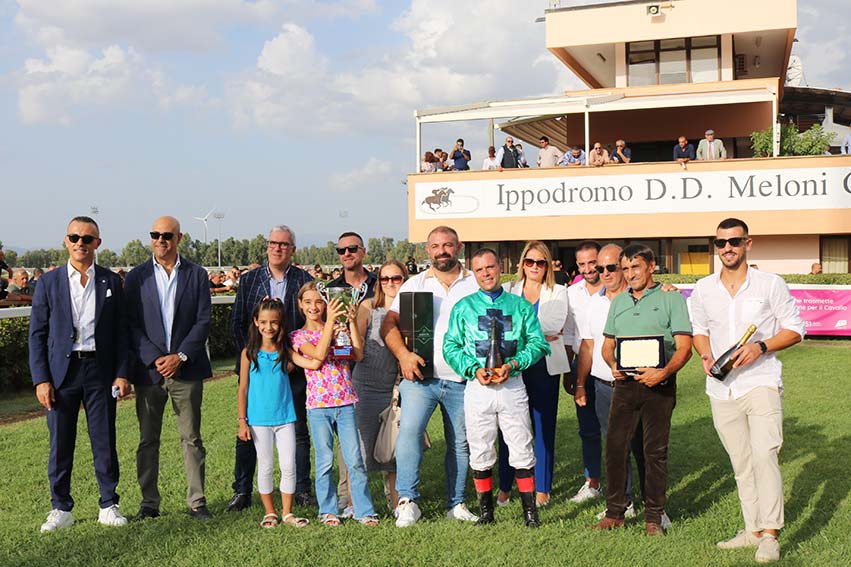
{"points": [[526, 484], [483, 484]]}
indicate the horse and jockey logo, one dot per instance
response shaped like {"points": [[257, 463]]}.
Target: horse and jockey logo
{"points": [[439, 198]]}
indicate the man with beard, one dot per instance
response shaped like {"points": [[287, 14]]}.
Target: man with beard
{"points": [[747, 404], [448, 282], [278, 279], [578, 297], [648, 396], [495, 399], [351, 250]]}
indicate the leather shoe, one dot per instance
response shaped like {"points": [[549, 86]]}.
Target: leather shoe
{"points": [[607, 524], [304, 499], [654, 529], [145, 512], [200, 513], [239, 502]]}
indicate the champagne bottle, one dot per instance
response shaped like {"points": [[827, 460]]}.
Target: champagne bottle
{"points": [[494, 359], [724, 363]]}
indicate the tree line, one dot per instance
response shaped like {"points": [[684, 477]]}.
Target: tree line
{"points": [[234, 253]]}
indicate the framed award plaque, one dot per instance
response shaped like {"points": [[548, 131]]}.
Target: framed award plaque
{"points": [[639, 352]]}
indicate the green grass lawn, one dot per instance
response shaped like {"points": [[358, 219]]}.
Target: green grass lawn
{"points": [[816, 463]]}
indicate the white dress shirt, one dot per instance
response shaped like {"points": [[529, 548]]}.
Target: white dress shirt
{"points": [[443, 300], [83, 304], [167, 291], [591, 325], [763, 300], [578, 299]]}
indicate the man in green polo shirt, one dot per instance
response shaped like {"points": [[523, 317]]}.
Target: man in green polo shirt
{"points": [[650, 395]]}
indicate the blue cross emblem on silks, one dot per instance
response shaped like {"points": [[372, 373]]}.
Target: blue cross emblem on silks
{"points": [[503, 325]]}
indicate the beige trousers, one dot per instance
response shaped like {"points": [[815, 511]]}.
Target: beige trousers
{"points": [[751, 430]]}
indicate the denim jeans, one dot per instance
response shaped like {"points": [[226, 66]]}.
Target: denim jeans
{"points": [[324, 422], [419, 398], [589, 430]]}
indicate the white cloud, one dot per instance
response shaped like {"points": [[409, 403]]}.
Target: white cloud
{"points": [[823, 50], [483, 49], [373, 170]]}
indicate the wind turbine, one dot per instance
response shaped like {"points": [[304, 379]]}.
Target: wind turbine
{"points": [[204, 220]]}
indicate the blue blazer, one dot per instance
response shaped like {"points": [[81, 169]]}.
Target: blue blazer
{"points": [[51, 335], [190, 329], [253, 287]]}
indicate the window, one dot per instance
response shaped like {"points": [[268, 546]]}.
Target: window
{"points": [[834, 254], [673, 61]]}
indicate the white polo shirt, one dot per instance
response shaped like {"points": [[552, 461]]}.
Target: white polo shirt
{"points": [[443, 300], [763, 300], [591, 324]]}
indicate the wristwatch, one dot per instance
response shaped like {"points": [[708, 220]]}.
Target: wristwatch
{"points": [[182, 357], [762, 346]]}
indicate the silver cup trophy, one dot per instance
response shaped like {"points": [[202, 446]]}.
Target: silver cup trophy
{"points": [[341, 344]]}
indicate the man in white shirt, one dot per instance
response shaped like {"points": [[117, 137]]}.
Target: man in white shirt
{"points": [[747, 405], [591, 368], [845, 147], [549, 156], [578, 298], [448, 282], [78, 354]]}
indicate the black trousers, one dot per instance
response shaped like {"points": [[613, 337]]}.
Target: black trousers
{"points": [[632, 403], [82, 385], [246, 456]]}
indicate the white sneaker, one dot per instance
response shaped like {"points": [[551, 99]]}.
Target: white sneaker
{"points": [[742, 539], [666, 521], [461, 512], [587, 493], [347, 513], [768, 550], [110, 516], [628, 513], [56, 520], [407, 513]]}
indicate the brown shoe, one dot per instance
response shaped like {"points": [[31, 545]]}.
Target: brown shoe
{"points": [[607, 524], [654, 529]]}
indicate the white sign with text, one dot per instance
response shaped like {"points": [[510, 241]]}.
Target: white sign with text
{"points": [[680, 192]]}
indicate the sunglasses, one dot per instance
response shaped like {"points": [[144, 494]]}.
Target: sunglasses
{"points": [[735, 242], [86, 238], [165, 235], [351, 249], [529, 262], [394, 279], [611, 268]]}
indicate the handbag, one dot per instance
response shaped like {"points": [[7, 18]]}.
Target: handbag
{"points": [[388, 431]]}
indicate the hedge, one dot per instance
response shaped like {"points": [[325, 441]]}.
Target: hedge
{"points": [[15, 368]]}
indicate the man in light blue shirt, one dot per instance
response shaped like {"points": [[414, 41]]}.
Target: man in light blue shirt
{"points": [[574, 157], [845, 148]]}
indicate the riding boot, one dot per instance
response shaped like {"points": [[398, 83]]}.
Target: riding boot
{"points": [[486, 506], [530, 510]]}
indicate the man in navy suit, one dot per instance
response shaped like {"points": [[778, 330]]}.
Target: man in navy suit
{"points": [[282, 280], [168, 309], [79, 354]]}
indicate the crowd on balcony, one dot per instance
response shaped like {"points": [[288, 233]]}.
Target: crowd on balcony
{"points": [[511, 155]]}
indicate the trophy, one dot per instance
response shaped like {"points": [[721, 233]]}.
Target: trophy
{"points": [[341, 344]]}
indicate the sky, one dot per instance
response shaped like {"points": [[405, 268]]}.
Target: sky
{"points": [[296, 112]]}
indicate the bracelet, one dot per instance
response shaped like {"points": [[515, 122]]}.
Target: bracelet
{"points": [[245, 419], [514, 364], [580, 386]]}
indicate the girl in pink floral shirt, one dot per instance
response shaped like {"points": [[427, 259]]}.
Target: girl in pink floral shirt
{"points": [[331, 405]]}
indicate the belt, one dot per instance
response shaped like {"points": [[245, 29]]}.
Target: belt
{"points": [[81, 354], [610, 384]]}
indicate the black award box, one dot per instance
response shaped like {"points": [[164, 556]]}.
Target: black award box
{"points": [[416, 322]]}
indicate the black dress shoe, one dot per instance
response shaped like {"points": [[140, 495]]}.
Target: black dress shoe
{"points": [[145, 512], [200, 513], [238, 502], [304, 499]]}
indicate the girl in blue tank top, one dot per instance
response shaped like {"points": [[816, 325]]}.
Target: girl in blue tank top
{"points": [[266, 410]]}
